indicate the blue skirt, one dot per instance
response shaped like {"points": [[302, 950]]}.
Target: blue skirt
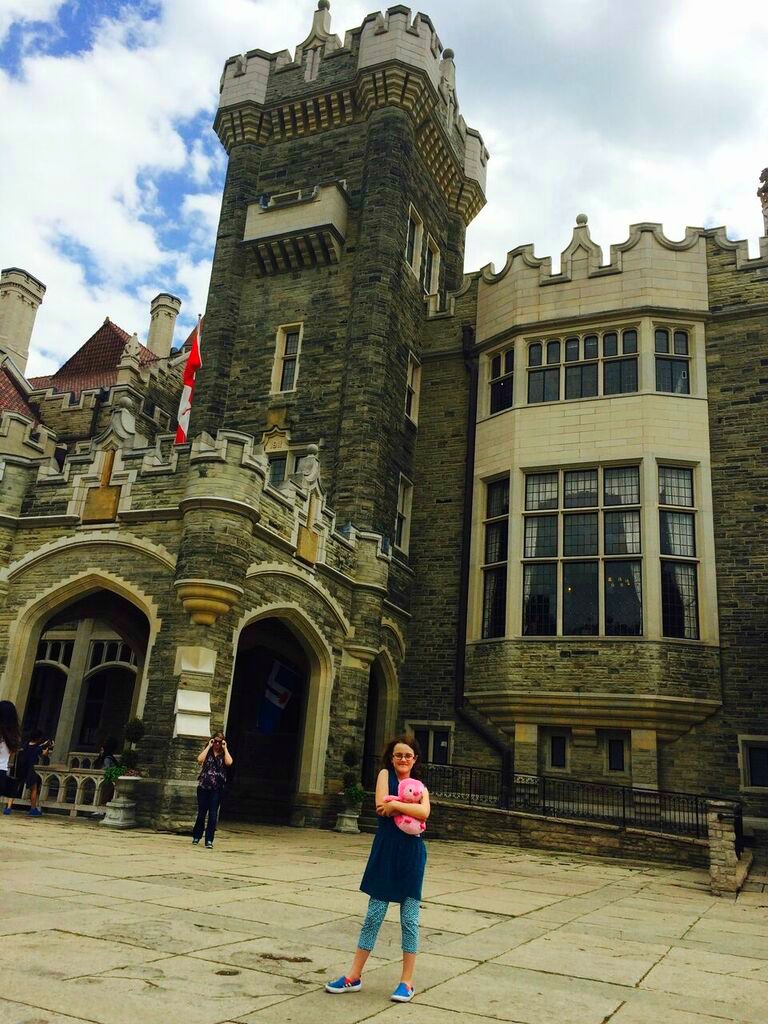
{"points": [[396, 863]]}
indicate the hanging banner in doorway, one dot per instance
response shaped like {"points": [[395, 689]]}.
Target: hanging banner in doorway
{"points": [[282, 683]]}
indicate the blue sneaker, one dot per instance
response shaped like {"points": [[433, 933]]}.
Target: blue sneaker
{"points": [[343, 984], [7, 810], [34, 812], [402, 994]]}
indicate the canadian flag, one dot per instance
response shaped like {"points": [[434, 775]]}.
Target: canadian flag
{"points": [[193, 364]]}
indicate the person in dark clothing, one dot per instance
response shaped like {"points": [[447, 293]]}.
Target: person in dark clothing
{"points": [[394, 872], [10, 741], [215, 758], [27, 759]]}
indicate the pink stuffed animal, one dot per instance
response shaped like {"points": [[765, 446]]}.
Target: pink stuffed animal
{"points": [[409, 791]]}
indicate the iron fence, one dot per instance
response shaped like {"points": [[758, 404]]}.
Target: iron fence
{"points": [[552, 796]]}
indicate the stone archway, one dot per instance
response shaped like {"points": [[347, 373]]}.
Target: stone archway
{"points": [[280, 655], [89, 623], [381, 714]]}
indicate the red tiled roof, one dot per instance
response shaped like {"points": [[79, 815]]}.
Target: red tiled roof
{"points": [[11, 399], [94, 365]]}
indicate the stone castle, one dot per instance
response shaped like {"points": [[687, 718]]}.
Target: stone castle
{"points": [[521, 513]]}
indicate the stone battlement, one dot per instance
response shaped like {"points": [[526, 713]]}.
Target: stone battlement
{"points": [[394, 58]]}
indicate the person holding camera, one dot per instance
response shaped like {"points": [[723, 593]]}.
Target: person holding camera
{"points": [[27, 759], [215, 758]]}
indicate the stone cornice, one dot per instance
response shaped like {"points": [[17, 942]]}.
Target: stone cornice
{"points": [[219, 504], [670, 717]]}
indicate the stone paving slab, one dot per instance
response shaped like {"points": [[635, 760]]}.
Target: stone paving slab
{"points": [[142, 928]]}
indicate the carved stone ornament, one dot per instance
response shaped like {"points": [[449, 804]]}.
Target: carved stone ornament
{"points": [[205, 600]]}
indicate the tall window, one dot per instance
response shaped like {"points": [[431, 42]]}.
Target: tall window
{"points": [[413, 388], [673, 361], [403, 517], [431, 269], [287, 349], [679, 564], [583, 366], [278, 467], [413, 241], [581, 547], [495, 555], [502, 367]]}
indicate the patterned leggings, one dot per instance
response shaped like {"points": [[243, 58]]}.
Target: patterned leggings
{"points": [[409, 924]]}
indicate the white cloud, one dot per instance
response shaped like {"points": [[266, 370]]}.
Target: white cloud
{"points": [[625, 112], [13, 11]]}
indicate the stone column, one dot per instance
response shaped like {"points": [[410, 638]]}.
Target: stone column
{"points": [[727, 871], [584, 753], [645, 759], [73, 691], [526, 748]]}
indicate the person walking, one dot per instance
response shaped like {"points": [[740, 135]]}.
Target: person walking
{"points": [[394, 872], [215, 758], [10, 741]]}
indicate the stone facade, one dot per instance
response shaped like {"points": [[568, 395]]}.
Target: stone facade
{"points": [[326, 524]]}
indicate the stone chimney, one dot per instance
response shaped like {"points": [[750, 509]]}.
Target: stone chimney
{"points": [[163, 310], [20, 296], [762, 195]]}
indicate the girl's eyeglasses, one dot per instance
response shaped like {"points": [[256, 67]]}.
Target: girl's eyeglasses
{"points": [[403, 757]]}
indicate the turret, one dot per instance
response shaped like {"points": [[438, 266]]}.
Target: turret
{"points": [[163, 311], [20, 297]]}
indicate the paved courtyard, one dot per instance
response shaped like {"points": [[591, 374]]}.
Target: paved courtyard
{"points": [[142, 928]]}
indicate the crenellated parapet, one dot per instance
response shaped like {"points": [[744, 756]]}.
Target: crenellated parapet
{"points": [[394, 59]]}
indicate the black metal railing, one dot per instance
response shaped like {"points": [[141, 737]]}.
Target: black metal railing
{"points": [[552, 796]]}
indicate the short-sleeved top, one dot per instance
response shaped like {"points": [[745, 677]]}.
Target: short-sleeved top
{"points": [[395, 868], [213, 774], [5, 756], [26, 762]]}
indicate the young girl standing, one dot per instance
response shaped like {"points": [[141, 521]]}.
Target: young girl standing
{"points": [[10, 741], [394, 872]]}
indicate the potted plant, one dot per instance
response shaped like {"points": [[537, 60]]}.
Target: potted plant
{"points": [[352, 793], [121, 809]]}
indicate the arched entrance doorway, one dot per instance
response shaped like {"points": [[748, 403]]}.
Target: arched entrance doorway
{"points": [[85, 680], [381, 715], [266, 721]]}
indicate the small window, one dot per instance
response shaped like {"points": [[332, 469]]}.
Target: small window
{"points": [[553, 352], [413, 241], [501, 380], [581, 488], [495, 554], [620, 377], [616, 754], [540, 599], [581, 381], [675, 486], [287, 351], [571, 350], [629, 342], [679, 600], [403, 517], [534, 354], [541, 491], [610, 344], [754, 753], [590, 346], [431, 270], [543, 386], [278, 467], [434, 739], [673, 374], [557, 752], [413, 388]]}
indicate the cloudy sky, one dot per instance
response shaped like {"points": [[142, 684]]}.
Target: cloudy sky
{"points": [[110, 175]]}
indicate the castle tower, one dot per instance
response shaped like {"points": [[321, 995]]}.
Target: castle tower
{"points": [[20, 298], [163, 311], [351, 180]]}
